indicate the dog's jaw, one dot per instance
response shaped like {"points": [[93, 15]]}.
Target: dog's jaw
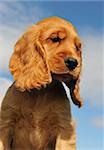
{"points": [[70, 82]]}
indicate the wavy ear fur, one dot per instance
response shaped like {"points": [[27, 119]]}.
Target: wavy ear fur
{"points": [[75, 92], [28, 63]]}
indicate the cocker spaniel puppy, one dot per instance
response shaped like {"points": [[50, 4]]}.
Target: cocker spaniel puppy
{"points": [[35, 113]]}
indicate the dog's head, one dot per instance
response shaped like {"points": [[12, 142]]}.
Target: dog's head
{"points": [[50, 49]]}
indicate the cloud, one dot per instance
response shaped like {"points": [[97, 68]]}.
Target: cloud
{"points": [[98, 122], [92, 73], [8, 37], [4, 84], [24, 12]]}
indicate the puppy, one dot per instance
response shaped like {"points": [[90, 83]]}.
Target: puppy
{"points": [[35, 112]]}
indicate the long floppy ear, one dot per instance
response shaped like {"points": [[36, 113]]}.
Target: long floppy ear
{"points": [[75, 92], [28, 63]]}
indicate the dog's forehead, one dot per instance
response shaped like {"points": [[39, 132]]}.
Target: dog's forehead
{"points": [[54, 24], [56, 21]]}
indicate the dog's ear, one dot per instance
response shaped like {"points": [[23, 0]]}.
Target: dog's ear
{"points": [[28, 63], [73, 85]]}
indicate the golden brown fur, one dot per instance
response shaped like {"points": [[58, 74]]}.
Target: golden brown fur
{"points": [[35, 113]]}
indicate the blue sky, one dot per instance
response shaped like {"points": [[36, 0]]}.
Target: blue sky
{"points": [[87, 17]]}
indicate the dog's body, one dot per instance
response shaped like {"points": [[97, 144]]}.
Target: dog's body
{"points": [[40, 119], [34, 119]]}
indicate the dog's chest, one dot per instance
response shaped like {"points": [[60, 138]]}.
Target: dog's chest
{"points": [[40, 118], [37, 127]]}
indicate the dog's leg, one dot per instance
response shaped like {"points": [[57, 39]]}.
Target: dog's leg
{"points": [[1, 145], [66, 142], [6, 139]]}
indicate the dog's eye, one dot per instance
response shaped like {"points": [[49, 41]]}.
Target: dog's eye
{"points": [[56, 39]]}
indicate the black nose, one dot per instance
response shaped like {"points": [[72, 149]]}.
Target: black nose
{"points": [[71, 63]]}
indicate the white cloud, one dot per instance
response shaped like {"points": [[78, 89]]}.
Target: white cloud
{"points": [[20, 14], [92, 73], [98, 122], [8, 37], [4, 84]]}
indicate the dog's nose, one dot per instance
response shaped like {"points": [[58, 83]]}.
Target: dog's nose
{"points": [[71, 63]]}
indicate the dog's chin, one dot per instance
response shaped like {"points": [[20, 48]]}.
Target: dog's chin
{"points": [[64, 77]]}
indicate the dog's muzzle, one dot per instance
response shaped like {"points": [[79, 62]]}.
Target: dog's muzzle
{"points": [[71, 63]]}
